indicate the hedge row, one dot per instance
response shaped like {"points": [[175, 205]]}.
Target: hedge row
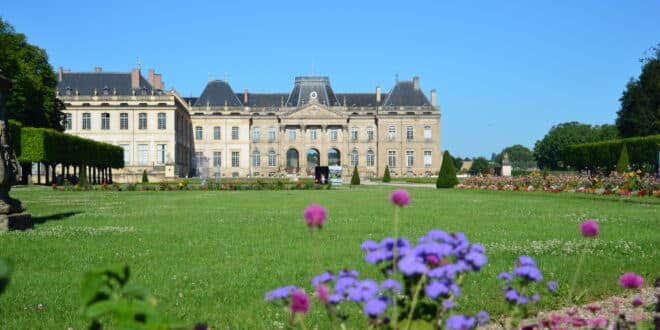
{"points": [[641, 151], [50, 146]]}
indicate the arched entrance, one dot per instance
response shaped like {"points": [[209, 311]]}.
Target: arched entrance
{"points": [[313, 160], [292, 161], [334, 157]]}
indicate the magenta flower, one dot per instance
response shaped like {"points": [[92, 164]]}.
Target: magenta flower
{"points": [[323, 293], [589, 228], [299, 302], [631, 281], [400, 198], [637, 302], [315, 215]]}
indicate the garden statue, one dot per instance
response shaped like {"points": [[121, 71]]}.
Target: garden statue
{"points": [[11, 216]]}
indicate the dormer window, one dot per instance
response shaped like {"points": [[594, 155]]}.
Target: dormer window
{"points": [[106, 90], [144, 91], [68, 90]]}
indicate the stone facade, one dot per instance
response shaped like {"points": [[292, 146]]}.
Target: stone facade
{"points": [[227, 134]]}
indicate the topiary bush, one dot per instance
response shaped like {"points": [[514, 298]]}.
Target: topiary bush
{"points": [[355, 179], [386, 175], [145, 177], [447, 176], [624, 162]]}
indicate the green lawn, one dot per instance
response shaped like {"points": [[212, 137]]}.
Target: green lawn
{"points": [[210, 256]]}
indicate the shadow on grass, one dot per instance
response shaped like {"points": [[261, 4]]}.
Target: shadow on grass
{"points": [[53, 217]]}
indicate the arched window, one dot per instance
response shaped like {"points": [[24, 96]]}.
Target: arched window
{"points": [[272, 159], [256, 159], [354, 157], [370, 158]]}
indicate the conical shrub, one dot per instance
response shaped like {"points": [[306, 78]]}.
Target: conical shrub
{"points": [[447, 176], [386, 175], [355, 179]]}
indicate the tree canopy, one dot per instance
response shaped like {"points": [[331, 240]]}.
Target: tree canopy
{"points": [[480, 165], [32, 99], [640, 104], [519, 156], [548, 151]]}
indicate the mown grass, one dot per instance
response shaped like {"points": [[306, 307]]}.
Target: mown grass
{"points": [[210, 256]]}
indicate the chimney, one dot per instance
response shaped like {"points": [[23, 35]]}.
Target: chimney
{"points": [[135, 79], [245, 97], [377, 94], [416, 82], [151, 78], [60, 74], [434, 98], [98, 69], [158, 81]]}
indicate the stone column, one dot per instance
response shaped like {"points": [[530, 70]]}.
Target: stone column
{"points": [[11, 210]]}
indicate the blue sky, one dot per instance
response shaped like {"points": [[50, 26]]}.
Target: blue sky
{"points": [[505, 71]]}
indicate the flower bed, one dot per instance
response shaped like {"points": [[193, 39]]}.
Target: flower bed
{"points": [[229, 185], [627, 184]]}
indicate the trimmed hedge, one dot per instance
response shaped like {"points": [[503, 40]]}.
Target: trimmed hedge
{"points": [[447, 175], [605, 154], [50, 146]]}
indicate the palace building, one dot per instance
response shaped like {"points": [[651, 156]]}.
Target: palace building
{"points": [[222, 133]]}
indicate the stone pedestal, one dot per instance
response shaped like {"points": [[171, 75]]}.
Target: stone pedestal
{"points": [[16, 221]]}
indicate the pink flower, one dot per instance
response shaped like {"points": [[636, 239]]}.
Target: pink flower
{"points": [[315, 215], [593, 308], [323, 293], [400, 198], [589, 228], [299, 302], [631, 281], [637, 302], [598, 322]]}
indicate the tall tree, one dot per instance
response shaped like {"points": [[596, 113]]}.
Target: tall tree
{"points": [[519, 155], [480, 165], [548, 151], [32, 99], [640, 104]]}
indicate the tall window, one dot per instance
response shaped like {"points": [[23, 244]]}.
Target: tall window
{"points": [[127, 153], [370, 134], [272, 159], [216, 133], [199, 158], [256, 133], [217, 159], [292, 134], [271, 134], [354, 133], [162, 120], [427, 158], [391, 158], [235, 159], [67, 121], [333, 134], [370, 158], [105, 120], [142, 120], [410, 135], [161, 152], [391, 133], [410, 158], [87, 121], [354, 157], [234, 133], [312, 133], [427, 133], [143, 154], [256, 159], [199, 133], [123, 120]]}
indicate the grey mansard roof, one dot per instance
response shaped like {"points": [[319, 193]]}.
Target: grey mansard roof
{"points": [[111, 82], [218, 93], [404, 93], [305, 86]]}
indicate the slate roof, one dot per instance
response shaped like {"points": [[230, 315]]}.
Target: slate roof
{"points": [[305, 86], [405, 94], [190, 100], [216, 93], [358, 99], [264, 100], [103, 82]]}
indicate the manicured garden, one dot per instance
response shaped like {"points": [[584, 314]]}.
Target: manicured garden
{"points": [[210, 256]]}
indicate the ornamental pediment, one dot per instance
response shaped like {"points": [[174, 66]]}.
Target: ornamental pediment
{"points": [[314, 111]]}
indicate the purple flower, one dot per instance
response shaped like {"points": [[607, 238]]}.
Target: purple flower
{"points": [[476, 260], [299, 302], [400, 198], [446, 271], [438, 236], [315, 215], [363, 291], [483, 317], [323, 278], [523, 300], [280, 293], [391, 285], [447, 304], [344, 283], [512, 295], [410, 264], [525, 261], [349, 273], [377, 256], [535, 297], [598, 322], [375, 307], [637, 302], [529, 273], [335, 298], [589, 228], [631, 281], [505, 276], [552, 286], [323, 293], [460, 322], [369, 245], [435, 289]]}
